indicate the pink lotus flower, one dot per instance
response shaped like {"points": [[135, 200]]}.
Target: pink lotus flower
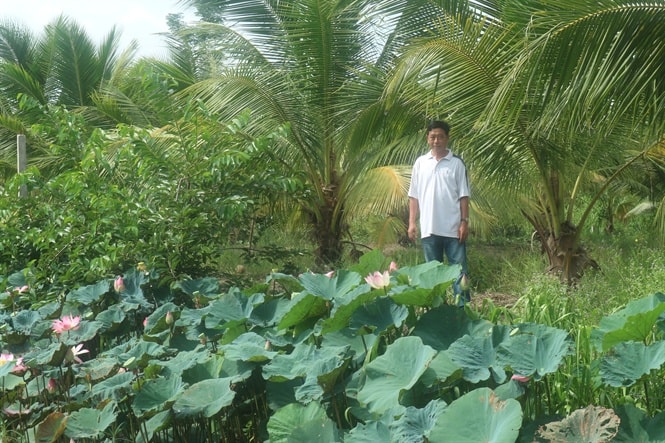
{"points": [[378, 280], [66, 323], [21, 289], [520, 378], [74, 352], [393, 266], [19, 367], [51, 385], [119, 284], [330, 274], [6, 358]]}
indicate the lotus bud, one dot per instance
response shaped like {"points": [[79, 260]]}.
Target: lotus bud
{"points": [[169, 318], [50, 386], [119, 284], [268, 345], [203, 339], [464, 282], [520, 378], [393, 266]]}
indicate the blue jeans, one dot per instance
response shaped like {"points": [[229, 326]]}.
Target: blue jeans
{"points": [[435, 246]]}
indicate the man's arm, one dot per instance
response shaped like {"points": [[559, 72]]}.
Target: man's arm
{"points": [[463, 231], [413, 217]]}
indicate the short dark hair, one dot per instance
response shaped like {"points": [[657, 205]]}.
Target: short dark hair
{"points": [[439, 124]]}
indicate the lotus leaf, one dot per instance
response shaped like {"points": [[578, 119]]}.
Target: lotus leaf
{"points": [[389, 375], [297, 423], [477, 416], [629, 361], [205, 398], [535, 349], [90, 423], [635, 322], [157, 394]]}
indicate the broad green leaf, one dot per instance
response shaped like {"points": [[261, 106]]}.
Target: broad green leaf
{"points": [[370, 432], [477, 354], [429, 275], [303, 307], [535, 349], [156, 423], [86, 331], [370, 262], [205, 398], [345, 306], [231, 309], [295, 423], [110, 318], [416, 424], [358, 344], [440, 327], [208, 286], [268, 313], [248, 347], [627, 362], [52, 355], [633, 323], [378, 315], [330, 287], [636, 425], [24, 321], [478, 416], [389, 375], [90, 423], [182, 361], [88, 295], [305, 361], [442, 369], [156, 395], [115, 387]]}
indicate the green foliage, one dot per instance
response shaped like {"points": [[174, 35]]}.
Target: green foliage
{"points": [[191, 361], [169, 198]]}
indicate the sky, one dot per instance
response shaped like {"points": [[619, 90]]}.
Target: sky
{"points": [[135, 19]]}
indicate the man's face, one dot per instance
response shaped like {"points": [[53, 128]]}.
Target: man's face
{"points": [[437, 138]]}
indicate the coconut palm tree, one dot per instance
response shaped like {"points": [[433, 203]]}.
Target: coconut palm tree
{"points": [[62, 67], [320, 67], [551, 101]]}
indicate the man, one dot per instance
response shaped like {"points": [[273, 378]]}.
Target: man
{"points": [[439, 193]]}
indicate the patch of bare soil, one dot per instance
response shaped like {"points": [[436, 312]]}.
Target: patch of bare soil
{"points": [[497, 298]]}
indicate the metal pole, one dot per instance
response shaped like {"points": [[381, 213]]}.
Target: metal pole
{"points": [[21, 162]]}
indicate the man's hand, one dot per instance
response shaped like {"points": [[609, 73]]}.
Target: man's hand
{"points": [[463, 231], [412, 232]]}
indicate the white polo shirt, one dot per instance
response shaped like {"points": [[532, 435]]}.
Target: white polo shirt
{"points": [[438, 186]]}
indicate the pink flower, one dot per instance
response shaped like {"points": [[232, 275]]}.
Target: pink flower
{"points": [[21, 289], [66, 323], [119, 284], [520, 378], [378, 280], [74, 352], [330, 274], [19, 367], [145, 322], [6, 358], [50, 386], [393, 266]]}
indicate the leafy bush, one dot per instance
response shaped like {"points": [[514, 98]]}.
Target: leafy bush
{"points": [[169, 197]]}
